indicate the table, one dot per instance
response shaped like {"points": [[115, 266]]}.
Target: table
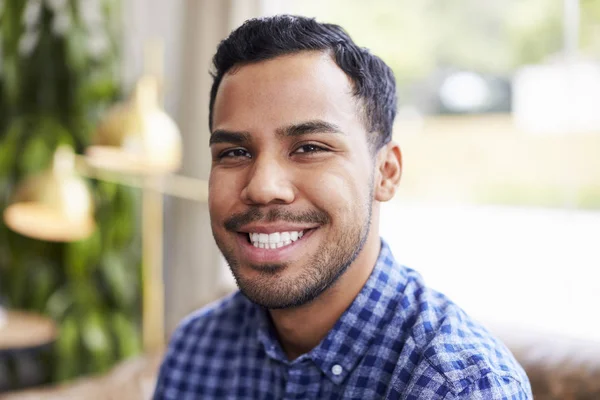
{"points": [[23, 338]]}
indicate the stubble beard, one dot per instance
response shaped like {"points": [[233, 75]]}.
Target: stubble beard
{"points": [[331, 260]]}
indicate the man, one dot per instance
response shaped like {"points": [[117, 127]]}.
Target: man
{"points": [[301, 124]]}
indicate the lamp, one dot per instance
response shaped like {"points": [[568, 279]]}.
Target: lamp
{"points": [[137, 136], [55, 205]]}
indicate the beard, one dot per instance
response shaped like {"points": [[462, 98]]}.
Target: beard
{"points": [[271, 289]]}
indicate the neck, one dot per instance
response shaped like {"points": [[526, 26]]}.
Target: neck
{"points": [[302, 328]]}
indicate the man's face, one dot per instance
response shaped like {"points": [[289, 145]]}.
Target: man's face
{"points": [[291, 184]]}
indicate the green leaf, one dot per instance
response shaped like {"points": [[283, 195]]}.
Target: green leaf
{"points": [[59, 303], [120, 280], [76, 50], [76, 260], [85, 294], [94, 337], [43, 279], [123, 221], [82, 257], [107, 191], [96, 340], [36, 156], [99, 87], [10, 69], [68, 350], [18, 280], [8, 146], [127, 335]]}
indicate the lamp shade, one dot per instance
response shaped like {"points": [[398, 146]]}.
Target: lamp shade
{"points": [[137, 136], [55, 205]]}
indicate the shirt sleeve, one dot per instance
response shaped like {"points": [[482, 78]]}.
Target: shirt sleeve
{"points": [[494, 387]]}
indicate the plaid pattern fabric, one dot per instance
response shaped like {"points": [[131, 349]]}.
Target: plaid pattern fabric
{"points": [[397, 340]]}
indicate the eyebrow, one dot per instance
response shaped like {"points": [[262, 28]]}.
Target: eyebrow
{"points": [[308, 127], [294, 130], [223, 136]]}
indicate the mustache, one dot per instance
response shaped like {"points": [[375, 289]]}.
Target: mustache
{"points": [[254, 214]]}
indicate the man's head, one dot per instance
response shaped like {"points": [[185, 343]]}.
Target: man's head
{"points": [[301, 122]]}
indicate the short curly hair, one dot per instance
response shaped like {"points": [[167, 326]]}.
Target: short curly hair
{"points": [[266, 38]]}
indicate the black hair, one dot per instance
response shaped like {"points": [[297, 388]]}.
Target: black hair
{"points": [[266, 38]]}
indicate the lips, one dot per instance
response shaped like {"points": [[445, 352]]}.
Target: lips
{"points": [[283, 251]]}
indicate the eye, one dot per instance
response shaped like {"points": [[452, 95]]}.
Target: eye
{"points": [[309, 148], [235, 153]]}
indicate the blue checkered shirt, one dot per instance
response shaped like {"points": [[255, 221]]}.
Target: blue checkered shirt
{"points": [[397, 340]]}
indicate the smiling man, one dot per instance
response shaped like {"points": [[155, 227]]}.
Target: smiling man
{"points": [[301, 124]]}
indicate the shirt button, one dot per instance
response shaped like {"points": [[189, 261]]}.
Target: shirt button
{"points": [[336, 369]]}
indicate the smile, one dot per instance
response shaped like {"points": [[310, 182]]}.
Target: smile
{"points": [[274, 240], [274, 244]]}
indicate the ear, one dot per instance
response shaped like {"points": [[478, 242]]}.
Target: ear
{"points": [[389, 171]]}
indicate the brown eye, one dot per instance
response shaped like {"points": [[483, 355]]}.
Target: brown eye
{"points": [[309, 148], [235, 153]]}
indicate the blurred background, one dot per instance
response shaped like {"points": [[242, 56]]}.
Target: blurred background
{"points": [[499, 206]]}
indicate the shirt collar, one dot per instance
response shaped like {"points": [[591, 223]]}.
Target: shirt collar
{"points": [[354, 331]]}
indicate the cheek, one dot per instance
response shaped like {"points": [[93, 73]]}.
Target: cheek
{"points": [[339, 193], [222, 193]]}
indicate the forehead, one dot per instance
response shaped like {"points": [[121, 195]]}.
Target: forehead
{"points": [[288, 89]]}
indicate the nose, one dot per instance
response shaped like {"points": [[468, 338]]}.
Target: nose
{"points": [[268, 183]]}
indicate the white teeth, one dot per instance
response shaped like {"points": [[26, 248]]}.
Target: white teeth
{"points": [[274, 240]]}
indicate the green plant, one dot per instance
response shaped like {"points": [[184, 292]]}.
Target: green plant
{"points": [[58, 74]]}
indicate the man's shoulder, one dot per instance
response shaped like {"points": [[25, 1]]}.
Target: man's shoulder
{"points": [[220, 319], [459, 350], [201, 346], [469, 356]]}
